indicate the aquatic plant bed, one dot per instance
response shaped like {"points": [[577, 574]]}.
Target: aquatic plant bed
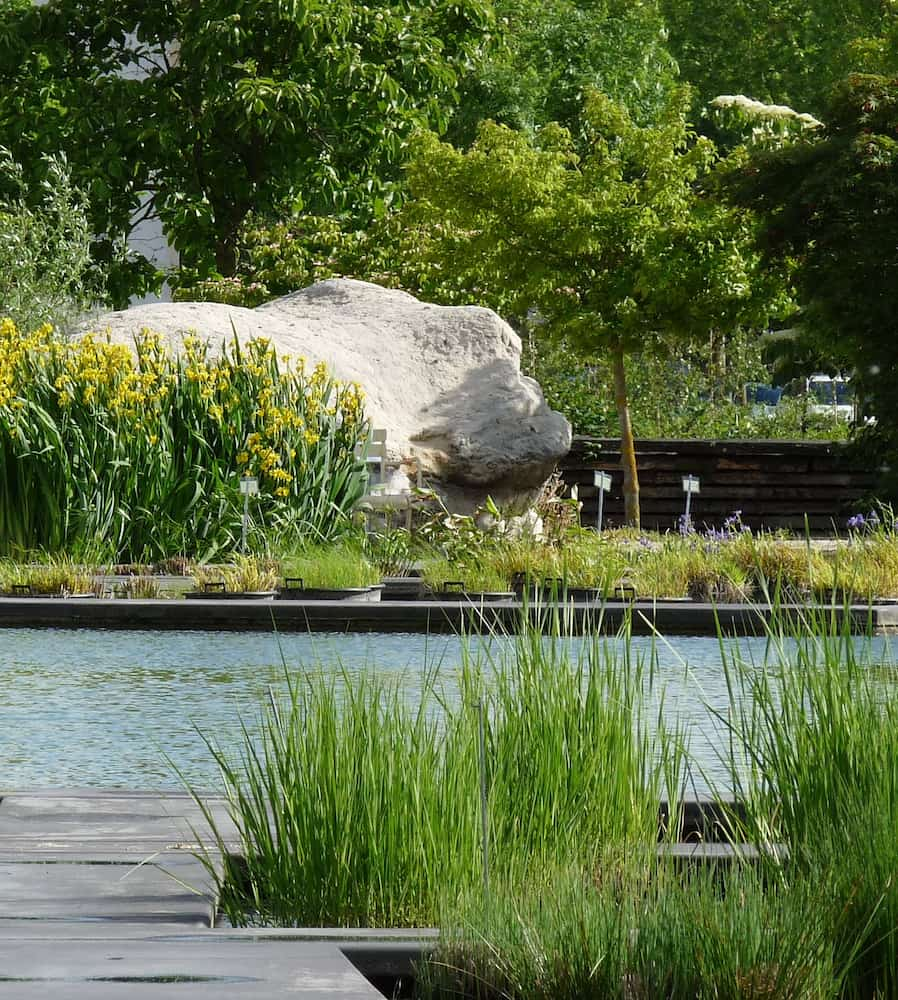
{"points": [[358, 808], [242, 615]]}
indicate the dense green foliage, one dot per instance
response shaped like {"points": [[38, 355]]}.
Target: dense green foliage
{"points": [[831, 206], [221, 109], [554, 52], [46, 274], [780, 51]]}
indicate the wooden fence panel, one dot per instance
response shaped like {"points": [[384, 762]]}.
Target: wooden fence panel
{"points": [[801, 486]]}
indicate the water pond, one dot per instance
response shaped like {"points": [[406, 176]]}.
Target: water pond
{"points": [[105, 709]]}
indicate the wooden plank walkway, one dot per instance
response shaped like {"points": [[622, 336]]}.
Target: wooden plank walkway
{"points": [[100, 894]]}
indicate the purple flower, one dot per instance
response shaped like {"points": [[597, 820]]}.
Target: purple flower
{"points": [[856, 522], [684, 525]]}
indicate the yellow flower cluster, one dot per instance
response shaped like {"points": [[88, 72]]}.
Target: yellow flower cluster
{"points": [[292, 414], [266, 413], [15, 352]]}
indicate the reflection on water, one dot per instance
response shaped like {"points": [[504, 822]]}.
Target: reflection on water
{"points": [[104, 709]]}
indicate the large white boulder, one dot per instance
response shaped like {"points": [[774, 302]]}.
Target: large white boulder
{"points": [[444, 381]]}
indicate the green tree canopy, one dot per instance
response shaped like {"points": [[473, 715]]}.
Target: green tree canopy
{"points": [[830, 205], [617, 248], [198, 111], [46, 274], [779, 51], [554, 51]]}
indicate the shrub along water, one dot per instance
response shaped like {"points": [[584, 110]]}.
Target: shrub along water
{"points": [[140, 455]]}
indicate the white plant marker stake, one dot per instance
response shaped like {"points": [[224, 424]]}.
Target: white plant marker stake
{"points": [[690, 485], [249, 486], [602, 482]]}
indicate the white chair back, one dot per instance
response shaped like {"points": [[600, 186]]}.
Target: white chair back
{"points": [[373, 452]]}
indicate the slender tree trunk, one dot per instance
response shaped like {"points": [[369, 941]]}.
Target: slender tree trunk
{"points": [[717, 363], [229, 218], [627, 445]]}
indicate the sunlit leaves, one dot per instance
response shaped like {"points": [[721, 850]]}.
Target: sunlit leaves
{"points": [[229, 108]]}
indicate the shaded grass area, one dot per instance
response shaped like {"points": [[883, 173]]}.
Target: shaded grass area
{"points": [[357, 808]]}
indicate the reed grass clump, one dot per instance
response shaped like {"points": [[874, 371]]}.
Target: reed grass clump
{"points": [[638, 933], [246, 574], [866, 566], [355, 807], [436, 572], [57, 576], [779, 567], [816, 762], [139, 454]]}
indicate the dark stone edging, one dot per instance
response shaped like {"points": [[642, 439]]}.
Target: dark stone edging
{"points": [[647, 617]]}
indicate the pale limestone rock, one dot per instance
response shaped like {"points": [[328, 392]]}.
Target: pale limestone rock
{"points": [[444, 381]]}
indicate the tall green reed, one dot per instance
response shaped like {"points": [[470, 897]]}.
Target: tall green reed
{"points": [[814, 736], [356, 806]]}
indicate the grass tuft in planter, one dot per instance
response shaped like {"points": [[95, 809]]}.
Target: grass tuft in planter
{"points": [[634, 930], [331, 567]]}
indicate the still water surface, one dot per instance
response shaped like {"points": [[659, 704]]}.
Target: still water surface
{"points": [[103, 709]]}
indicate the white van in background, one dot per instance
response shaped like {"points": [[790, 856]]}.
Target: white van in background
{"points": [[831, 395]]}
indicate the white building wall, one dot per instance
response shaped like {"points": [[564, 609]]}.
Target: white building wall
{"points": [[147, 237]]}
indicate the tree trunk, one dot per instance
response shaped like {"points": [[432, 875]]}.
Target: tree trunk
{"points": [[229, 218], [717, 365], [627, 445], [226, 256]]}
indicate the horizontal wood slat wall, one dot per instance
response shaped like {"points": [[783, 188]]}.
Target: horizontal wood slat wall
{"points": [[798, 485]]}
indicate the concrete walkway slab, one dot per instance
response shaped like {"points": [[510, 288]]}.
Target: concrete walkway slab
{"points": [[81, 920], [152, 968], [99, 824], [114, 856], [63, 890]]}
